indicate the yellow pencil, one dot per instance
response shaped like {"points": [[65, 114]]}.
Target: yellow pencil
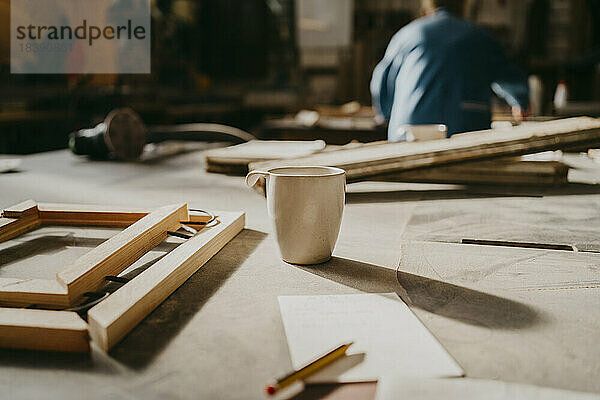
{"points": [[308, 369]]}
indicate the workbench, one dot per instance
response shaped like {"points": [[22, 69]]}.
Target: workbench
{"points": [[220, 334]]}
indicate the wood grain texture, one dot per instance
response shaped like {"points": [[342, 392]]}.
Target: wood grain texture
{"points": [[113, 318], [235, 159], [13, 227], [92, 215], [117, 253], [26, 292], [492, 172], [27, 207], [374, 160], [43, 330], [18, 219]]}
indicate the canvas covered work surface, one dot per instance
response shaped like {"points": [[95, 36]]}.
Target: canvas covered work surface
{"points": [[53, 324], [535, 311]]}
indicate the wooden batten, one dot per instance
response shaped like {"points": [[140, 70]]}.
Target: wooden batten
{"points": [[487, 172], [117, 253], [114, 317], [25, 208], [368, 161], [13, 227], [89, 215], [43, 330], [18, 219], [16, 292]]}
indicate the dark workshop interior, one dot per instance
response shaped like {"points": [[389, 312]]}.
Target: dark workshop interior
{"points": [[249, 63], [299, 199]]}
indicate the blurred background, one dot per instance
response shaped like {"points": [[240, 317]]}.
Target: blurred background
{"points": [[256, 64]]}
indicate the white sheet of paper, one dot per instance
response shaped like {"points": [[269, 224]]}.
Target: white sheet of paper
{"points": [[393, 387], [387, 337]]}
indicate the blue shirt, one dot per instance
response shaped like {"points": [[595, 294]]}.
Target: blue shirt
{"points": [[441, 69]]}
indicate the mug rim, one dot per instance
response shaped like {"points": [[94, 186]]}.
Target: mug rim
{"points": [[334, 171]]}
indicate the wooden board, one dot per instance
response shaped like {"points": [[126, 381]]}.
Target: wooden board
{"points": [[25, 208], [235, 159], [490, 172], [114, 317], [13, 227], [87, 273], [379, 159], [18, 219], [26, 292], [92, 215], [43, 330]]}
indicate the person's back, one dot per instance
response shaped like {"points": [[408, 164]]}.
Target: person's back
{"points": [[442, 69]]}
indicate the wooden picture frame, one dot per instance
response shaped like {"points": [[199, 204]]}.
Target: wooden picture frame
{"points": [[115, 316], [87, 273]]}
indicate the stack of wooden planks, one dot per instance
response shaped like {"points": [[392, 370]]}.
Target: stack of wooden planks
{"points": [[500, 171], [371, 161], [234, 160]]}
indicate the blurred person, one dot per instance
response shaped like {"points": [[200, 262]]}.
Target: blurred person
{"points": [[442, 69]]}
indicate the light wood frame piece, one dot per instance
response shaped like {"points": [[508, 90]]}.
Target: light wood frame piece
{"points": [[114, 317], [145, 231]]}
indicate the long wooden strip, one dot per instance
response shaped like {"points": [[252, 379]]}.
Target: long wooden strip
{"points": [[492, 172], [117, 253], [25, 292], [89, 215], [368, 161], [43, 330], [27, 207], [114, 317], [95, 215], [13, 227], [18, 219]]}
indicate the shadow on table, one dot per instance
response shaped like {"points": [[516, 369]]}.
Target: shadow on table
{"points": [[49, 244], [445, 299], [53, 243], [152, 335], [454, 192], [50, 360]]}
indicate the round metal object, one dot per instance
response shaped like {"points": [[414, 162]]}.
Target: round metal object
{"points": [[125, 134]]}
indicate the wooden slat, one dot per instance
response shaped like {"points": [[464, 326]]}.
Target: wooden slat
{"points": [[18, 219], [491, 172], [117, 253], [43, 330], [89, 215], [235, 159], [114, 317], [13, 227], [26, 292], [369, 161], [27, 207]]}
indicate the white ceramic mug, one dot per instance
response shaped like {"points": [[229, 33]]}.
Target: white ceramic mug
{"points": [[306, 206]]}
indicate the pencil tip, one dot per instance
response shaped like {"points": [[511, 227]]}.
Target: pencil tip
{"points": [[271, 390]]}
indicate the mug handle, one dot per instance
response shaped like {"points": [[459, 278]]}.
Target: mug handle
{"points": [[254, 176]]}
